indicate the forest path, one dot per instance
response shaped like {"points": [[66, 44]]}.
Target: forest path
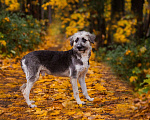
{"points": [[54, 96]]}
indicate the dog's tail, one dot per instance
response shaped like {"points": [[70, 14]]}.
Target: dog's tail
{"points": [[23, 87]]}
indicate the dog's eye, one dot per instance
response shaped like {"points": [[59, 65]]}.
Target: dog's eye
{"points": [[76, 40], [84, 40]]}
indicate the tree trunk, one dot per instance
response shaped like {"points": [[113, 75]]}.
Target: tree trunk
{"points": [[50, 14], [23, 6], [41, 10], [147, 22], [101, 25], [97, 21], [137, 9], [117, 11]]}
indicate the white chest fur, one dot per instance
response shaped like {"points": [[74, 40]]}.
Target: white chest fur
{"points": [[83, 68]]}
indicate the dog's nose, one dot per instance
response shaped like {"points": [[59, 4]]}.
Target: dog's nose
{"points": [[79, 47]]}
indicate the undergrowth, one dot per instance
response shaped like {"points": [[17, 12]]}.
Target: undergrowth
{"points": [[18, 33], [130, 61]]}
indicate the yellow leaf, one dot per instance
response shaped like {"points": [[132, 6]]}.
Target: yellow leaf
{"points": [[68, 104], [80, 105], [70, 112], [133, 78], [40, 112], [99, 87], [3, 42], [56, 112]]}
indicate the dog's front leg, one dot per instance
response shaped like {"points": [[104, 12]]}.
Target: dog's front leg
{"points": [[75, 90], [84, 88]]}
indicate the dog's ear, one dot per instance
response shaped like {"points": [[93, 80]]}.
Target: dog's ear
{"points": [[92, 37], [71, 40]]}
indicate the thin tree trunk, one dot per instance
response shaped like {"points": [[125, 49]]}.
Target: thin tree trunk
{"points": [[50, 14], [137, 9], [147, 22], [117, 11], [101, 25], [42, 10]]}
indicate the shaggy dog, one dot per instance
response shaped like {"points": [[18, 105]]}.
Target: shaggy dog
{"points": [[73, 63]]}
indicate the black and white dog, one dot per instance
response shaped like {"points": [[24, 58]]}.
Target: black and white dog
{"points": [[73, 63]]}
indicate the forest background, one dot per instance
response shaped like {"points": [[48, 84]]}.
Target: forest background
{"points": [[121, 26]]}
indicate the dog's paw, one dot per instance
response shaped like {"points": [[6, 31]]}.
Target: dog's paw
{"points": [[32, 101], [90, 99], [32, 106], [81, 102]]}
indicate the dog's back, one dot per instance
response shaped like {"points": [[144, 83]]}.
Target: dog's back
{"points": [[55, 62]]}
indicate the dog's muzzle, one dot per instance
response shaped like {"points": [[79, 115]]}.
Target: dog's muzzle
{"points": [[81, 48]]}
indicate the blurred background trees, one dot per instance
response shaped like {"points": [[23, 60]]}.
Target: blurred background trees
{"points": [[121, 26], [98, 16]]}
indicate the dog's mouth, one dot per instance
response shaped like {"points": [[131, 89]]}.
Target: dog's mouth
{"points": [[81, 48]]}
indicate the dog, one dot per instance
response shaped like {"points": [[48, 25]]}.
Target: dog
{"points": [[73, 63]]}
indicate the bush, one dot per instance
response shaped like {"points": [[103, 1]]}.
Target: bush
{"points": [[18, 33], [132, 62]]}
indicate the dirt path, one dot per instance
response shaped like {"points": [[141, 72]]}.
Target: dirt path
{"points": [[54, 96]]}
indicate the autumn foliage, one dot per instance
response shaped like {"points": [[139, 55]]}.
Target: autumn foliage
{"points": [[123, 41], [54, 97]]}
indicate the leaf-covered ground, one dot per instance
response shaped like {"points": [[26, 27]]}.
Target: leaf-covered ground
{"points": [[114, 98]]}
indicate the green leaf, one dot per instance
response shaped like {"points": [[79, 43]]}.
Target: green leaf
{"points": [[148, 75], [145, 90], [147, 81], [136, 70]]}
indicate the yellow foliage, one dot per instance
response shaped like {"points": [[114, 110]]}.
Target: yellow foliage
{"points": [[72, 23], [7, 19], [40, 112], [3, 42], [71, 30], [124, 29], [68, 104], [128, 52], [79, 24], [100, 88], [56, 112], [133, 78], [13, 5], [61, 4]]}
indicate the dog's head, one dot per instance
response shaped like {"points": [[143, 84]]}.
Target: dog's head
{"points": [[81, 41]]}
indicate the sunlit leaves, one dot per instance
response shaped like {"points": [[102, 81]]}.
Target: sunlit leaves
{"points": [[55, 3], [100, 88], [124, 29], [77, 22], [3, 42], [12, 5], [73, 19], [133, 78]]}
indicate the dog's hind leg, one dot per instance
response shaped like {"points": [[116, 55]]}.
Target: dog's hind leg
{"points": [[84, 88], [32, 74], [26, 93]]}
